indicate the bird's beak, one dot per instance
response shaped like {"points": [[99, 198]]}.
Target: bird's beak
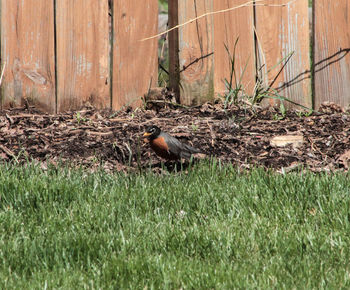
{"points": [[147, 134]]}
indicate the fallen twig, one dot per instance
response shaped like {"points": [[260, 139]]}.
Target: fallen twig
{"points": [[250, 3], [109, 133], [7, 151]]}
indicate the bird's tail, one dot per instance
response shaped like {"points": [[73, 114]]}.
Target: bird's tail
{"points": [[191, 150]]}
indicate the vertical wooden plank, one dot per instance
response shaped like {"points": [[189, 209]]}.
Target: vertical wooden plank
{"points": [[196, 52], [174, 71], [135, 62], [282, 30], [83, 72], [27, 48], [230, 26], [332, 52]]}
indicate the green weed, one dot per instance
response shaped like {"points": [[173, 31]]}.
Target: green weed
{"points": [[236, 92], [234, 85]]}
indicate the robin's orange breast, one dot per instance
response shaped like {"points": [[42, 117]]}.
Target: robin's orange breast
{"points": [[162, 149]]}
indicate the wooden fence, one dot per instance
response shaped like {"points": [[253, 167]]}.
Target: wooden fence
{"points": [[60, 54]]}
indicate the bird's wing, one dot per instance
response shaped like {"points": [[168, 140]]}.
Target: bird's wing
{"points": [[179, 149], [175, 146]]}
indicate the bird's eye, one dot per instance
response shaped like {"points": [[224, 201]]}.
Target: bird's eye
{"points": [[152, 130]]}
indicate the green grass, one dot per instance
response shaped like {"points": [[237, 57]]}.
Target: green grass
{"points": [[212, 227]]}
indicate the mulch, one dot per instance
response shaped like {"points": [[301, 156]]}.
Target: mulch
{"points": [[113, 140]]}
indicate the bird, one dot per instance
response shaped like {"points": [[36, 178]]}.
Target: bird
{"points": [[167, 146]]}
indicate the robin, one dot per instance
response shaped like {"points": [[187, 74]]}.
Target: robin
{"points": [[166, 146]]}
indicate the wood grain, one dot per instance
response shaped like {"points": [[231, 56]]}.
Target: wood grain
{"points": [[83, 71], [27, 48], [230, 26], [135, 62], [281, 31], [332, 52], [196, 52]]}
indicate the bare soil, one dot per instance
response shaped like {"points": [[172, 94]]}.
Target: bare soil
{"points": [[113, 140]]}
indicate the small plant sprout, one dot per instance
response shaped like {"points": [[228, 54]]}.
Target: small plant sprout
{"points": [[78, 117], [194, 127]]}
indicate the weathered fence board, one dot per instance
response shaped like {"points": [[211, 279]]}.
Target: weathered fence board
{"points": [[135, 62], [235, 25], [196, 52], [83, 72], [27, 49], [332, 52], [282, 30]]}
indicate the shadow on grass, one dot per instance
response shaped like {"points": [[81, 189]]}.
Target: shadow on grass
{"points": [[175, 166]]}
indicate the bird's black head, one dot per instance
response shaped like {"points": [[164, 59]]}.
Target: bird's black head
{"points": [[152, 132]]}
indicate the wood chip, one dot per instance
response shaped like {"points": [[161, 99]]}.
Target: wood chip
{"points": [[104, 134], [283, 141]]}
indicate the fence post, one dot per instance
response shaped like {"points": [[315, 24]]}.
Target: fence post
{"points": [[174, 70], [82, 54], [27, 50], [283, 30], [332, 52], [135, 62]]}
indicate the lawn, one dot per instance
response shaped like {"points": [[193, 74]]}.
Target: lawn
{"points": [[209, 227]]}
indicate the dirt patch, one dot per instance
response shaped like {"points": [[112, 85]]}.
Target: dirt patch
{"points": [[95, 138]]}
